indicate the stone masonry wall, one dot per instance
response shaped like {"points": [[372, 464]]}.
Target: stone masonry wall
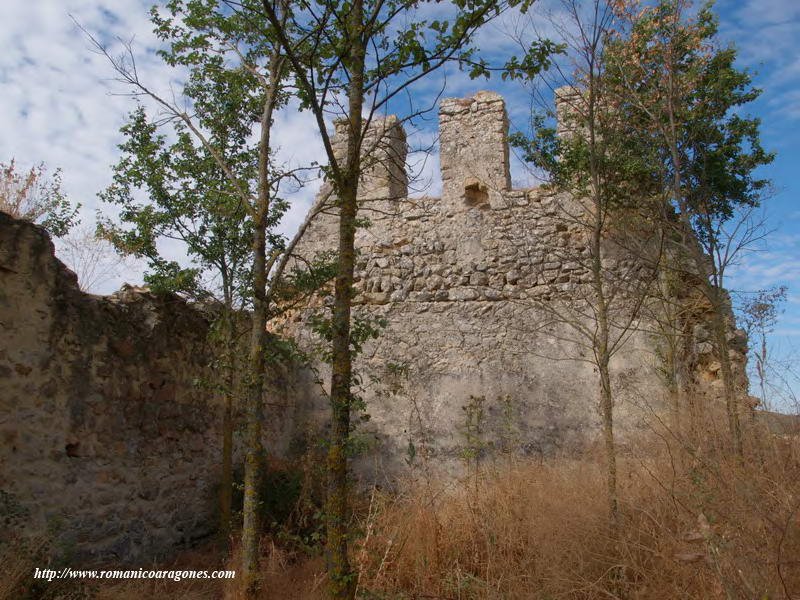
{"points": [[460, 324], [106, 442], [460, 281]]}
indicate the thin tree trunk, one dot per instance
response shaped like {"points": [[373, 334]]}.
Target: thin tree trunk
{"points": [[227, 465], [684, 379], [711, 292], [337, 512], [226, 491], [670, 331], [761, 364], [342, 580], [251, 528], [607, 406], [603, 357], [601, 342]]}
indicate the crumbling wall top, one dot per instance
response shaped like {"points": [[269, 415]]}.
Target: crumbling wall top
{"points": [[473, 150]]}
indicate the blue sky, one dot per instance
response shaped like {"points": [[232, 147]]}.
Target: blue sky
{"points": [[59, 106], [767, 34]]}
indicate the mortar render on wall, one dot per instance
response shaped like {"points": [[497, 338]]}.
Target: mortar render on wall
{"points": [[460, 282], [107, 443]]}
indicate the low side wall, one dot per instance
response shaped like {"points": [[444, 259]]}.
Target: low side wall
{"points": [[106, 441]]}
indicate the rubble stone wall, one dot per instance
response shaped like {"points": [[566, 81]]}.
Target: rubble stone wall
{"points": [[464, 283], [107, 442], [459, 281]]}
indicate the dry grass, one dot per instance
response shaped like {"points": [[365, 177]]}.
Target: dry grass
{"points": [[695, 523], [285, 577], [17, 562]]}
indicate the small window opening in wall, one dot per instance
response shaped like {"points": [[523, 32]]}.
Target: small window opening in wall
{"points": [[72, 449], [475, 193]]}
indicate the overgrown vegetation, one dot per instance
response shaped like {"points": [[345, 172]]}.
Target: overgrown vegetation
{"points": [[691, 525], [37, 196], [695, 522]]}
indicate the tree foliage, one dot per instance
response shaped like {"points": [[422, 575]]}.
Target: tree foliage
{"points": [[37, 197], [188, 199], [682, 87], [676, 83], [202, 179]]}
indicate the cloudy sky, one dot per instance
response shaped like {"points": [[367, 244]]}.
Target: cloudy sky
{"points": [[61, 106]]}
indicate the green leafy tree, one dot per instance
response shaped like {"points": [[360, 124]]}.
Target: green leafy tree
{"points": [[216, 189], [188, 199], [675, 82], [351, 60]]}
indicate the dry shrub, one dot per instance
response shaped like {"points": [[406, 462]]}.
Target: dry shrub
{"points": [[300, 579], [18, 560], [695, 522], [286, 576]]}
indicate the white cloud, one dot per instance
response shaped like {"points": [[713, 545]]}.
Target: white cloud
{"points": [[62, 106], [774, 12], [57, 103], [766, 35]]}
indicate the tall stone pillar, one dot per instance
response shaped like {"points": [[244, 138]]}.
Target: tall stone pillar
{"points": [[473, 150], [570, 104], [383, 156], [382, 186]]}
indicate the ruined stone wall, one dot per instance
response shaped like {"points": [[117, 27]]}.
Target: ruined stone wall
{"points": [[460, 282], [106, 441]]}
